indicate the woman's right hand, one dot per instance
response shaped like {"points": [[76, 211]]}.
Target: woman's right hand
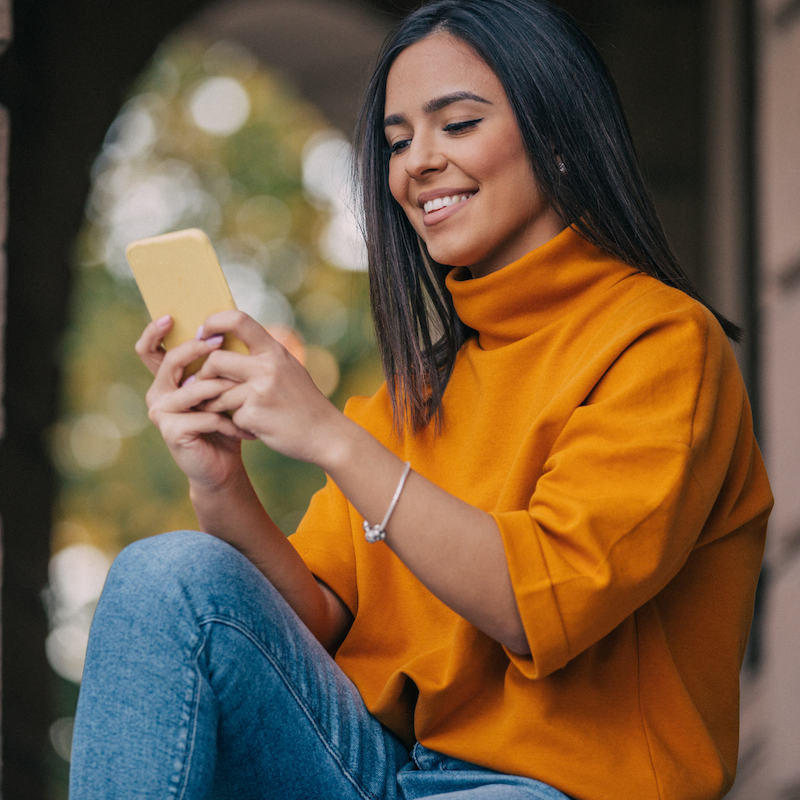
{"points": [[205, 445]]}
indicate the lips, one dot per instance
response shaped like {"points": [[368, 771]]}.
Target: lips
{"points": [[440, 205]]}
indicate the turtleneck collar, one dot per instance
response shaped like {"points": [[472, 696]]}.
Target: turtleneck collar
{"points": [[528, 294]]}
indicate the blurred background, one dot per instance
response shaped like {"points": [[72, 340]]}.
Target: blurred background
{"points": [[122, 120]]}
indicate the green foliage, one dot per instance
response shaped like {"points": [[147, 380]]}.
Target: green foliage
{"points": [[118, 482]]}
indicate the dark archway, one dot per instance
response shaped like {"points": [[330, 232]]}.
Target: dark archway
{"points": [[63, 80]]}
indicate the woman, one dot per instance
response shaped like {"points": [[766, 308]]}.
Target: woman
{"points": [[557, 599]]}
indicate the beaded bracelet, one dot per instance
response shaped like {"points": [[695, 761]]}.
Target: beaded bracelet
{"points": [[377, 533]]}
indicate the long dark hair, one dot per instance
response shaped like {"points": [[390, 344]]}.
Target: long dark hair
{"points": [[564, 100]]}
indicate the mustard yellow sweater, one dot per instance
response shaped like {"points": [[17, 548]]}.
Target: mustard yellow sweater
{"points": [[600, 417]]}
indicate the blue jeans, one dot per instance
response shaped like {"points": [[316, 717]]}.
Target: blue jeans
{"points": [[201, 682]]}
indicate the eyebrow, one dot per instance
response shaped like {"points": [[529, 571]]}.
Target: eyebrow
{"points": [[436, 105]]}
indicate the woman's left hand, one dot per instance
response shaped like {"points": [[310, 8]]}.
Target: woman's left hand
{"points": [[274, 397]]}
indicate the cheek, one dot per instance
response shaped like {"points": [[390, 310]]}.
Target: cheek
{"points": [[509, 161], [397, 186], [519, 185]]}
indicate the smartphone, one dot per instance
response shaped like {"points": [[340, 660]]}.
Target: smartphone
{"points": [[179, 274]]}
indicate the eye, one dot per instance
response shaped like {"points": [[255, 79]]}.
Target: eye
{"points": [[398, 146], [460, 127]]}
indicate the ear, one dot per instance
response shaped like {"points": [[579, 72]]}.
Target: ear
{"points": [[559, 159]]}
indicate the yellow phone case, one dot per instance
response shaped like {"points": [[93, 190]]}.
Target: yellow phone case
{"points": [[179, 274]]}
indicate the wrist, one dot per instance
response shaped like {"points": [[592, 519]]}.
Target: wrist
{"points": [[233, 483], [343, 442]]}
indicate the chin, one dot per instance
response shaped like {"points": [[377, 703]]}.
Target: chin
{"points": [[447, 258]]}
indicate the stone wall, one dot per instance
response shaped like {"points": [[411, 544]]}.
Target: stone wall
{"points": [[769, 767], [779, 191]]}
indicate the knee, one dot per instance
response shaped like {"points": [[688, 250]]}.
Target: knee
{"points": [[162, 564], [184, 573]]}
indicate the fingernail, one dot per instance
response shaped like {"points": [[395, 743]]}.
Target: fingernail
{"points": [[190, 379], [199, 334], [215, 340], [162, 322]]}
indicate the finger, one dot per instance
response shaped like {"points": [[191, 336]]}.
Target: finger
{"points": [[231, 366], [231, 399], [193, 394], [240, 434], [226, 427], [150, 346], [184, 428], [170, 373], [242, 326]]}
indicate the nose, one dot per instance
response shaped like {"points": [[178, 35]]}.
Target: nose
{"points": [[424, 157]]}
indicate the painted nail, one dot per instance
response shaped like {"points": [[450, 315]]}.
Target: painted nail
{"points": [[162, 322], [190, 379], [215, 340], [199, 334]]}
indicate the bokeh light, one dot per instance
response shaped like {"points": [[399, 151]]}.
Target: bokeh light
{"points": [[61, 736], [220, 106], [77, 574], [328, 181], [94, 441], [125, 408]]}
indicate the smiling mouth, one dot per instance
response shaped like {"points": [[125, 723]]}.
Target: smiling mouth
{"points": [[444, 202]]}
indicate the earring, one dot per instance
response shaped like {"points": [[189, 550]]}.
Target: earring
{"points": [[562, 167]]}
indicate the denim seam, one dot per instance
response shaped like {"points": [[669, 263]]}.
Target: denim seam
{"points": [[233, 623], [193, 737], [191, 706]]}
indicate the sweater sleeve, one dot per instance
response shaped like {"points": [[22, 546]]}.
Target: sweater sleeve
{"points": [[626, 489], [324, 541]]}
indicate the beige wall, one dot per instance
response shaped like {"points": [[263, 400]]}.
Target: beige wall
{"points": [[779, 166], [770, 743]]}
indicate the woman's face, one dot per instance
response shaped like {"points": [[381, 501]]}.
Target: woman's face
{"points": [[458, 167]]}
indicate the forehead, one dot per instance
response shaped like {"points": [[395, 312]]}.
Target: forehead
{"points": [[435, 66]]}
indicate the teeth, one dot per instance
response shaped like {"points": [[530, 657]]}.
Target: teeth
{"points": [[442, 202]]}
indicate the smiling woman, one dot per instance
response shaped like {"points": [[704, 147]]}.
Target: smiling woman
{"points": [[458, 167], [572, 504]]}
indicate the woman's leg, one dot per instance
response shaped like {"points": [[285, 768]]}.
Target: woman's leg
{"points": [[200, 682], [430, 775]]}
